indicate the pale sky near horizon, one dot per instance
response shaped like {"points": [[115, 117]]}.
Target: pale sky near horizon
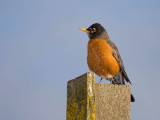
{"points": [[41, 48]]}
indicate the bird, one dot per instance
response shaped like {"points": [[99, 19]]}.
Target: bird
{"points": [[103, 56]]}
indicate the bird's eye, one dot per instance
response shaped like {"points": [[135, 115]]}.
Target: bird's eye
{"points": [[93, 30]]}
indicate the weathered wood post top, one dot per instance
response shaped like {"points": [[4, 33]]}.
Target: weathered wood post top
{"points": [[87, 100]]}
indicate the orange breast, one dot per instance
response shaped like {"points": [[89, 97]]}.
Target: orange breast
{"points": [[100, 59]]}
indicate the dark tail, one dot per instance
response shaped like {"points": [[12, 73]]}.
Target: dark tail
{"points": [[132, 98]]}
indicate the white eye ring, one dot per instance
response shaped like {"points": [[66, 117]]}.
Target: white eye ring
{"points": [[93, 30]]}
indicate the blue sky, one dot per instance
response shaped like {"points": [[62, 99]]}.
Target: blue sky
{"points": [[41, 48]]}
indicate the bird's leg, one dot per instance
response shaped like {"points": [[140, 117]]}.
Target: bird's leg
{"points": [[111, 80], [100, 80]]}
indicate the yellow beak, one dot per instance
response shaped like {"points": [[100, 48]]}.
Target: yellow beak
{"points": [[84, 29]]}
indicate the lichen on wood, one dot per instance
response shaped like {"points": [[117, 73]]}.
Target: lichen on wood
{"points": [[87, 100], [81, 98]]}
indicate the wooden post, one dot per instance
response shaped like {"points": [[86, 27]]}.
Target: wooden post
{"points": [[87, 100], [81, 98]]}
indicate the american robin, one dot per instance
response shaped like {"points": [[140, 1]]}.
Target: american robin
{"points": [[103, 56]]}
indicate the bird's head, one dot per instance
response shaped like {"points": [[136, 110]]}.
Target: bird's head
{"points": [[96, 30]]}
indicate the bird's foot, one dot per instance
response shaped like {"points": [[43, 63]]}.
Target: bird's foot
{"points": [[100, 80], [111, 80]]}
